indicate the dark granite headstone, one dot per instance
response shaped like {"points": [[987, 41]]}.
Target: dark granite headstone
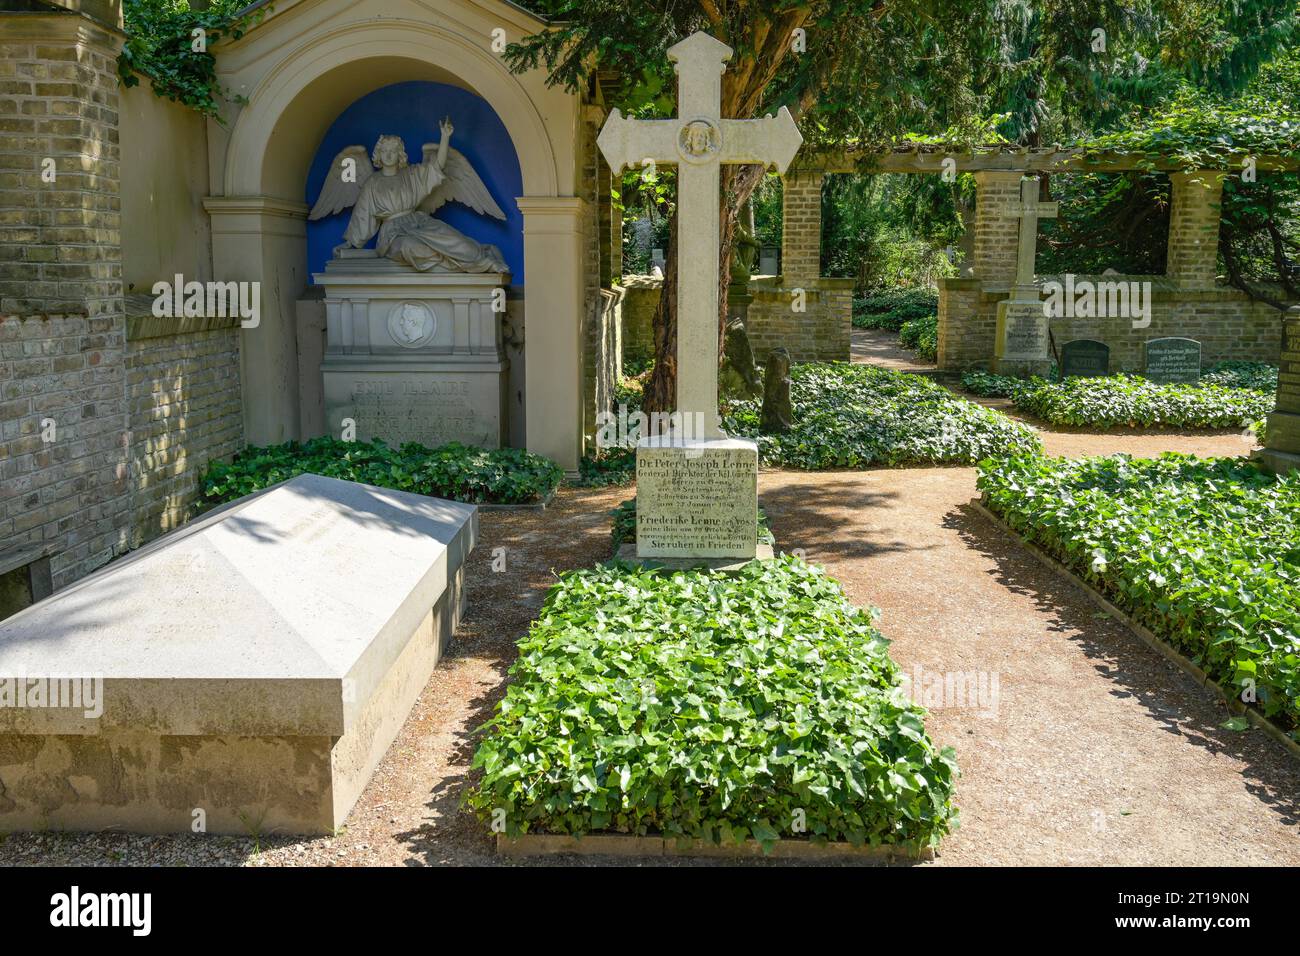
{"points": [[1085, 358], [1173, 360]]}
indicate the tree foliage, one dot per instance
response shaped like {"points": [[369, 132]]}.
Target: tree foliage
{"points": [[163, 45]]}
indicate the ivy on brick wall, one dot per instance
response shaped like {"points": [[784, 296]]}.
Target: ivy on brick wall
{"points": [[170, 44]]}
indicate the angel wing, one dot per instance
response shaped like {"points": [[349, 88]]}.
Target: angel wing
{"points": [[460, 185], [343, 182]]}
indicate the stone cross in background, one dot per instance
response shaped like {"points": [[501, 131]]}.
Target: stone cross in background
{"points": [[698, 142], [1029, 210], [1021, 347]]}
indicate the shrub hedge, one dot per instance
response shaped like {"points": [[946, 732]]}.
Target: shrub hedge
{"points": [[855, 416], [1204, 553], [459, 472], [1130, 401], [891, 308], [709, 706], [922, 336]]}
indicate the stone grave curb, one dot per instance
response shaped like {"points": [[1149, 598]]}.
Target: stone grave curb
{"points": [[525, 506], [1147, 637], [628, 845]]}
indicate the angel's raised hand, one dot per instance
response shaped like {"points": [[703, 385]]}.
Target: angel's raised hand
{"points": [[446, 127]]}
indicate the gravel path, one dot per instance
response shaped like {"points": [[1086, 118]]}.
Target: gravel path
{"points": [[1098, 751], [881, 347]]}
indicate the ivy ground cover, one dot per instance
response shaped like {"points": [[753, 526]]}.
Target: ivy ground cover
{"points": [[700, 705], [459, 472], [1204, 553], [855, 416], [1225, 397]]}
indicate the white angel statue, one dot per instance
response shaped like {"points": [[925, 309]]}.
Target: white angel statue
{"points": [[398, 204]]}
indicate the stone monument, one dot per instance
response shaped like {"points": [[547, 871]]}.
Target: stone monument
{"points": [[697, 489], [1021, 346], [413, 326], [249, 669]]}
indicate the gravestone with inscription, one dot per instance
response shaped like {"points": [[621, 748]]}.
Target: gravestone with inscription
{"points": [[1173, 360], [1021, 344], [413, 356], [697, 489], [1085, 358]]}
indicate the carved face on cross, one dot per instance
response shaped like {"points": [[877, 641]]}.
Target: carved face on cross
{"points": [[699, 141]]}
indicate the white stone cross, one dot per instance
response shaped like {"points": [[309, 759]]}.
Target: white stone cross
{"points": [[1029, 210], [698, 141]]}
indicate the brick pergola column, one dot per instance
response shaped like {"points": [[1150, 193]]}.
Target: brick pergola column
{"points": [[1283, 433], [1195, 203], [801, 237], [997, 234]]}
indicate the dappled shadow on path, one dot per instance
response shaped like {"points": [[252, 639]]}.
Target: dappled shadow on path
{"points": [[811, 516], [1173, 698]]}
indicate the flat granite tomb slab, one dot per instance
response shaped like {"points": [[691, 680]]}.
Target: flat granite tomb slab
{"points": [[248, 670]]}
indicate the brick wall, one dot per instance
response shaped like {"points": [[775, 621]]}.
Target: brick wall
{"points": [[1225, 321], [105, 421], [63, 455], [186, 412], [821, 333]]}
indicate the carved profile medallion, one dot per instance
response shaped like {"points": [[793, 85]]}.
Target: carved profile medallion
{"points": [[412, 324]]}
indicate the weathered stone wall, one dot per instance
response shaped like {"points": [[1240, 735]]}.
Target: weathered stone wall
{"points": [[186, 412], [640, 299], [821, 333], [165, 229], [1229, 326]]}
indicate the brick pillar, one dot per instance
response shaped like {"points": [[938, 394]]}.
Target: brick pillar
{"points": [[1194, 208], [801, 238], [63, 453], [997, 235], [1283, 438]]}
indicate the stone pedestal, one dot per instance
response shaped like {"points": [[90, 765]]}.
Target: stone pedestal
{"points": [[413, 356], [1283, 434], [1021, 342], [696, 498]]}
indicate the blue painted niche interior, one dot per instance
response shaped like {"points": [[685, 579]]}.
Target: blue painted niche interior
{"points": [[412, 111]]}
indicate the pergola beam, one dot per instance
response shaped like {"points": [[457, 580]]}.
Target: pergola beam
{"points": [[930, 159]]}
